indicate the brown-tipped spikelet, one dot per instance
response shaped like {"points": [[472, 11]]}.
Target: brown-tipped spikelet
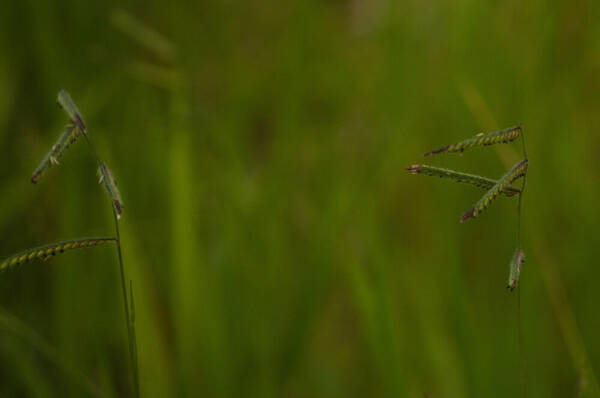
{"points": [[478, 181], [110, 184], [518, 170], [46, 251], [515, 268], [68, 136], [496, 137], [66, 103]]}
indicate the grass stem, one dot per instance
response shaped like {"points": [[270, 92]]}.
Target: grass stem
{"points": [[128, 323]]}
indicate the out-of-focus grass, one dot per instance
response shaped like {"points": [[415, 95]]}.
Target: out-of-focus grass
{"points": [[276, 244]]}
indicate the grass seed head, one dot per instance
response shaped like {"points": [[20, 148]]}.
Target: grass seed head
{"points": [[518, 170], [110, 184], [65, 101], [497, 137], [515, 268], [68, 136], [47, 251], [472, 179]]}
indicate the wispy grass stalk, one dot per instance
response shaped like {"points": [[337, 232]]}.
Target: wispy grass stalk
{"points": [[494, 187], [110, 185], [69, 135], [131, 338]]}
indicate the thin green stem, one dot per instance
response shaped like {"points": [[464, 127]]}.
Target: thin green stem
{"points": [[130, 332], [128, 322], [519, 211], [522, 364], [521, 350], [92, 148], [521, 194]]}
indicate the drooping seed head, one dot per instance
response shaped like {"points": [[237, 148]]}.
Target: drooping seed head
{"points": [[476, 180], [66, 103], [518, 170], [497, 137], [515, 268], [68, 136], [52, 249], [110, 184]]}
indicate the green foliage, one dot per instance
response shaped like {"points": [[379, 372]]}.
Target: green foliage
{"points": [[275, 246]]}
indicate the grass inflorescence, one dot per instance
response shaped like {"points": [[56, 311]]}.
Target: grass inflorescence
{"points": [[70, 134], [110, 184], [493, 187], [472, 179], [65, 101], [46, 251], [496, 137], [518, 170], [515, 268]]}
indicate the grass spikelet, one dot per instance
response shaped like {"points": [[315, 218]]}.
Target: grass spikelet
{"points": [[478, 181], [68, 136], [110, 184], [66, 103], [52, 249], [518, 170], [515, 268], [497, 137]]}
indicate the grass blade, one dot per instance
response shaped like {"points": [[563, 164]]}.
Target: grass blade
{"points": [[497, 137], [518, 170], [49, 250], [68, 136], [515, 268], [478, 181], [66, 103], [111, 187]]}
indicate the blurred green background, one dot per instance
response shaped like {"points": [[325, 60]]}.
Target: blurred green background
{"points": [[276, 244]]}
